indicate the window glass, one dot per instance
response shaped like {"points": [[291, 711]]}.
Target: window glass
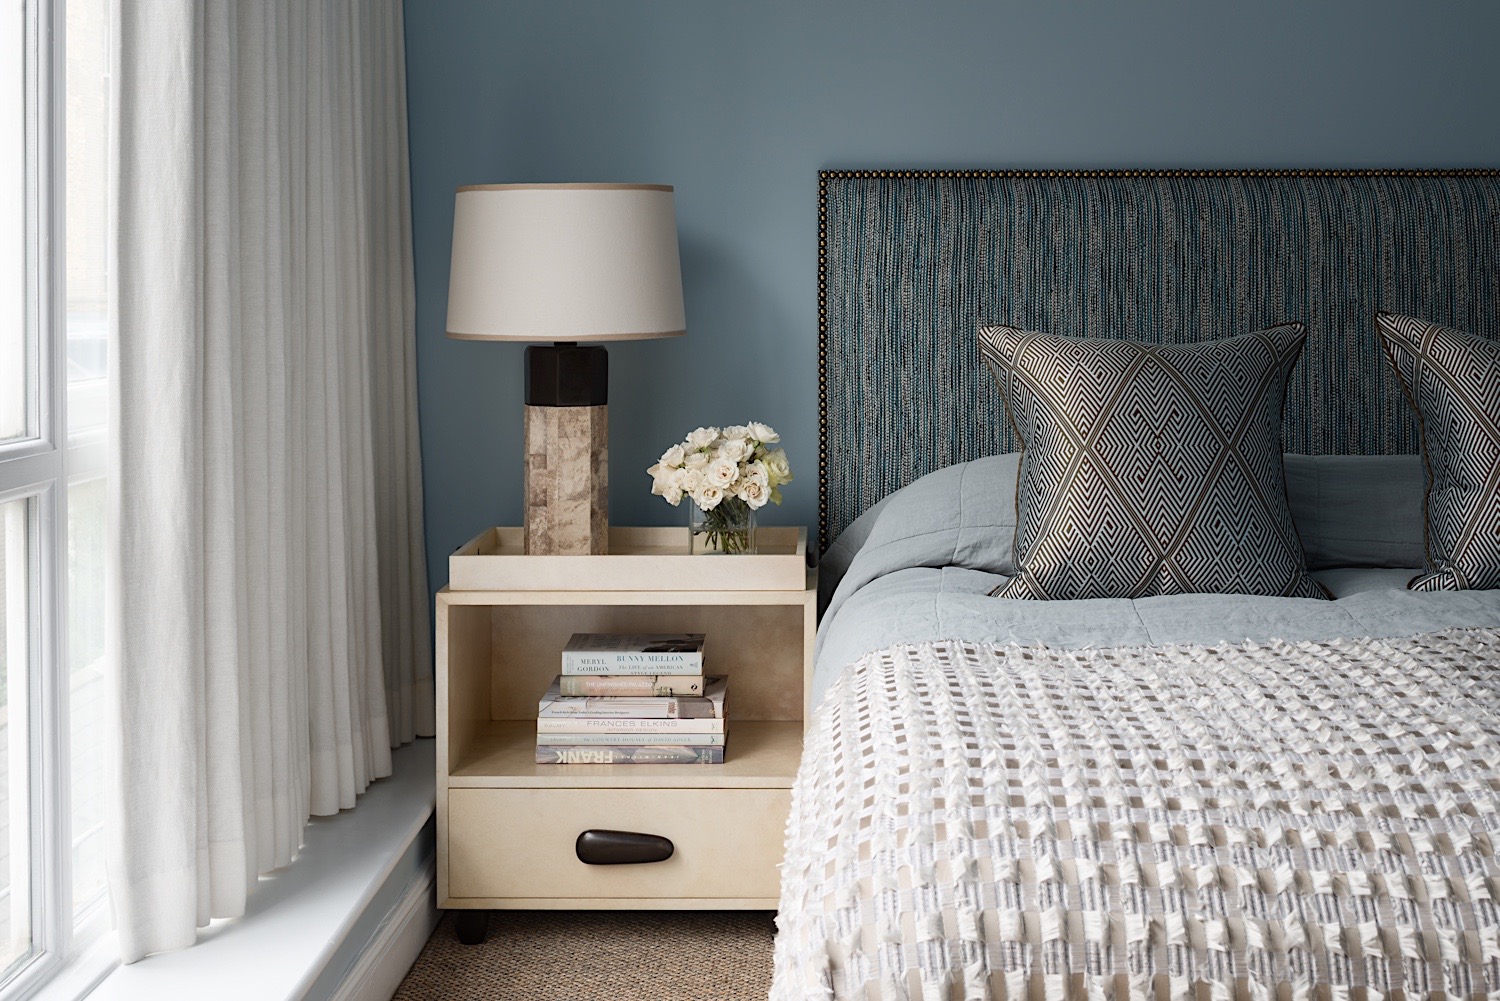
{"points": [[86, 164], [17, 369], [87, 183], [18, 636], [86, 689]]}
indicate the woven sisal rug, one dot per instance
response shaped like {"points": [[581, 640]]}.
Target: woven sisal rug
{"points": [[603, 955]]}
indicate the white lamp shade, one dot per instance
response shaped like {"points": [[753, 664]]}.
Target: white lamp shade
{"points": [[565, 262]]}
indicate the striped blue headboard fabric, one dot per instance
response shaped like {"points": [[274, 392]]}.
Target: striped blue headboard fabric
{"points": [[912, 262]]}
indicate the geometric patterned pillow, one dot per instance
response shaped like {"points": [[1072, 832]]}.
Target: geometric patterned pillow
{"points": [[1453, 382], [1148, 468]]}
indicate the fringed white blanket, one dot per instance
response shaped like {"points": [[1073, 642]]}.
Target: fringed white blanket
{"points": [[1290, 821]]}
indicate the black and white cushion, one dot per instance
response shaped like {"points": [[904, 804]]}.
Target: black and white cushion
{"points": [[1452, 379], [1150, 469]]}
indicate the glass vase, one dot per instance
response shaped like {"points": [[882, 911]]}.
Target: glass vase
{"points": [[728, 528]]}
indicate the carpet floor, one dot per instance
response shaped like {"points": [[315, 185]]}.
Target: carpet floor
{"points": [[603, 955]]}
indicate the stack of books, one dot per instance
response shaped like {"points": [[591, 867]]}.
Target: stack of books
{"points": [[632, 700]]}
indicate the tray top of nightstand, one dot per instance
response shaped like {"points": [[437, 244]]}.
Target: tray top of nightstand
{"points": [[640, 559]]}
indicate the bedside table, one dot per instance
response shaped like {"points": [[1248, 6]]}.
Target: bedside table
{"points": [[507, 827]]}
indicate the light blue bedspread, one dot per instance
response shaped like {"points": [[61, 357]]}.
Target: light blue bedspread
{"points": [[919, 566]]}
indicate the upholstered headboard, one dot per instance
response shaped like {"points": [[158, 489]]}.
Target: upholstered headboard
{"points": [[910, 262]]}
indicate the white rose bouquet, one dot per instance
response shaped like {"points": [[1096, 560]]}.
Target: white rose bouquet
{"points": [[728, 473]]}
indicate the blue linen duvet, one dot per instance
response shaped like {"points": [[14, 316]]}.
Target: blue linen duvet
{"points": [[921, 564]]}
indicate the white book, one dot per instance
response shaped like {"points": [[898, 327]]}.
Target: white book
{"points": [[707, 706], [636, 686], [617, 653], [625, 724], [617, 755], [629, 739]]}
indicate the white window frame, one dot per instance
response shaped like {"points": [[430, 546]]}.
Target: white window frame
{"points": [[41, 468]]}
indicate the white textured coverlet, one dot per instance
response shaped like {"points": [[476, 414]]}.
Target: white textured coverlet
{"points": [[1260, 820]]}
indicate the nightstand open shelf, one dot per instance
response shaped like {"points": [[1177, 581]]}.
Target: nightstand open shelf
{"points": [[502, 754], [507, 826]]}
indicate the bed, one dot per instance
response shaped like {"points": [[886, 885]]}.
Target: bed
{"points": [[1180, 796]]}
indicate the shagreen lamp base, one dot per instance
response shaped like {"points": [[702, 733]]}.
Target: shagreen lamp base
{"points": [[567, 451], [567, 472]]}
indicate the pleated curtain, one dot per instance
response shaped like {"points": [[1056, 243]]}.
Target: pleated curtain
{"points": [[269, 616]]}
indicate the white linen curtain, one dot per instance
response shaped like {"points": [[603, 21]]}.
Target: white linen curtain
{"points": [[269, 622]]}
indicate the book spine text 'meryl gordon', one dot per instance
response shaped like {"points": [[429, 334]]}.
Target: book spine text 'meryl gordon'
{"points": [[625, 662], [606, 653], [634, 686]]}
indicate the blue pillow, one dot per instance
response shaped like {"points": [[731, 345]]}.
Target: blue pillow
{"points": [[1357, 510]]}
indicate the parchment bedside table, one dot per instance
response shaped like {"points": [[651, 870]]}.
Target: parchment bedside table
{"points": [[507, 826]]}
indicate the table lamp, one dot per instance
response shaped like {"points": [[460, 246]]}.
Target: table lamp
{"points": [[566, 263]]}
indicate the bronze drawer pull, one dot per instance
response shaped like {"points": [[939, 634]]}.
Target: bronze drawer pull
{"points": [[621, 848]]}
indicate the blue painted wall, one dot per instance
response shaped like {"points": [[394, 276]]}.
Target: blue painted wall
{"points": [[740, 104]]}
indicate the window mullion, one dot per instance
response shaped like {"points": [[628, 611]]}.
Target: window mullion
{"points": [[26, 473]]}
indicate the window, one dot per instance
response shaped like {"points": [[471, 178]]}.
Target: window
{"points": [[54, 358]]}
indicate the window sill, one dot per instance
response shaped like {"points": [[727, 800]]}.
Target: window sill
{"points": [[306, 925]]}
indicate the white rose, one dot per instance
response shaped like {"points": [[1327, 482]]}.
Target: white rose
{"points": [[660, 479], [672, 495], [736, 431], [763, 433], [702, 437], [779, 469], [721, 472], [753, 493], [673, 456], [708, 496], [734, 449], [758, 473], [687, 480], [696, 460]]}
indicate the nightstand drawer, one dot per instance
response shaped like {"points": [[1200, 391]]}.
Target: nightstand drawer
{"points": [[520, 843]]}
